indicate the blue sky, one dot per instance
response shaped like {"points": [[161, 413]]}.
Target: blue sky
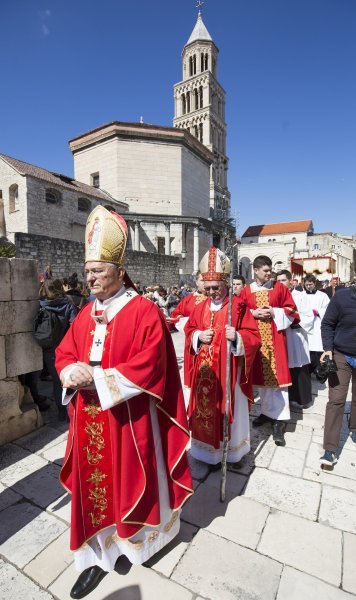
{"points": [[288, 67]]}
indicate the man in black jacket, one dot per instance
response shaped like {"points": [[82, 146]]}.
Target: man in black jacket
{"points": [[338, 332]]}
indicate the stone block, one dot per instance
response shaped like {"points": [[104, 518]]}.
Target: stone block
{"points": [[16, 464], [15, 585], [10, 395], [289, 461], [26, 531], [23, 355], [60, 508], [24, 279], [17, 316], [8, 497], [42, 440], [16, 426], [284, 492], [167, 559], [57, 557], [329, 477], [42, 487], [217, 568], [5, 278], [300, 586], [242, 523], [2, 357], [345, 467], [338, 508], [304, 545], [349, 571]]}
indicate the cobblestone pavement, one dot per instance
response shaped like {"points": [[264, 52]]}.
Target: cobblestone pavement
{"points": [[287, 530]]}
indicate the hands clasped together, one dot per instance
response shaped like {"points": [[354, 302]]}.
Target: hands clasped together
{"points": [[80, 375], [264, 313], [207, 335]]}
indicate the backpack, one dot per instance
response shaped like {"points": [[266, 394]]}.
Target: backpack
{"points": [[48, 329]]}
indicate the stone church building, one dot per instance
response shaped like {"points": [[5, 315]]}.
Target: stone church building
{"points": [[169, 183]]}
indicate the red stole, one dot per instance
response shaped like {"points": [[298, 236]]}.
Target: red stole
{"points": [[207, 399], [110, 463]]}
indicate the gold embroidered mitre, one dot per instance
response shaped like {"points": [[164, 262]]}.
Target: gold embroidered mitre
{"points": [[215, 265], [105, 237]]}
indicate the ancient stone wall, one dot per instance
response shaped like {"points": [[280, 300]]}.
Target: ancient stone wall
{"points": [[19, 353], [67, 257]]}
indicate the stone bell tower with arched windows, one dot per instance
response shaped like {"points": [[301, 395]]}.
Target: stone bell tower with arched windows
{"points": [[199, 107]]}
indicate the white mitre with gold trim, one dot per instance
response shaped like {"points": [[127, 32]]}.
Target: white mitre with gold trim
{"points": [[215, 265], [105, 237]]}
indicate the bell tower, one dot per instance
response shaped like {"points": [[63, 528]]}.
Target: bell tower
{"points": [[199, 107]]}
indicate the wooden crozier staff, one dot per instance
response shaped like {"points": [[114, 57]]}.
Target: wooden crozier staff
{"points": [[228, 383]]}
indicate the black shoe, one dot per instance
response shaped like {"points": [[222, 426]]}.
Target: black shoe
{"points": [[278, 430], [328, 459], [261, 420], [213, 468], [87, 581]]}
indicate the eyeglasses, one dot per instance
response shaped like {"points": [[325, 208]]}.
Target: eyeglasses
{"points": [[212, 287]]}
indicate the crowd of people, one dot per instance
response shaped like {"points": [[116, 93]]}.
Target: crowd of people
{"points": [[115, 375]]}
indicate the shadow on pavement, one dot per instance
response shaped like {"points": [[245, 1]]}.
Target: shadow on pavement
{"points": [[131, 592]]}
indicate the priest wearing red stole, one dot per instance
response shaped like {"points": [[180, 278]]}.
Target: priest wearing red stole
{"points": [[207, 333], [125, 464], [272, 306]]}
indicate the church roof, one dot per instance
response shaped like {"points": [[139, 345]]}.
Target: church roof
{"points": [[279, 228], [199, 32], [50, 177]]}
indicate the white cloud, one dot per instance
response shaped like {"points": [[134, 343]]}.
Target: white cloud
{"points": [[45, 29]]}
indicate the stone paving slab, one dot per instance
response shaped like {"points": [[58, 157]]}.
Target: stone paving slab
{"points": [[338, 509], [300, 586], [41, 439], [137, 583], [315, 421], [167, 559], [205, 506], [17, 464], [55, 453], [289, 461], [16, 586], [26, 531], [297, 440], [329, 477], [242, 523], [349, 571], [8, 497], [199, 469], [304, 545], [41, 487], [218, 569], [296, 496], [51, 562], [60, 508], [235, 482]]}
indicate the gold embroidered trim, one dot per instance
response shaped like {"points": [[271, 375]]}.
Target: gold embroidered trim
{"points": [[267, 350], [153, 536], [171, 522], [114, 390], [110, 540], [137, 545], [92, 409]]}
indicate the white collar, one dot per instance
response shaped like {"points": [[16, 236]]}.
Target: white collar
{"points": [[101, 305]]}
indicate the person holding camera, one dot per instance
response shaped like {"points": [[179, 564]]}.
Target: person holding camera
{"points": [[338, 332]]}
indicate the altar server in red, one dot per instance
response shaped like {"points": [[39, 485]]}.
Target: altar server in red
{"points": [[125, 464]]}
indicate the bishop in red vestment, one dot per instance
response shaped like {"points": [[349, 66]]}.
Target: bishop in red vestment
{"points": [[207, 334], [274, 309], [125, 464]]}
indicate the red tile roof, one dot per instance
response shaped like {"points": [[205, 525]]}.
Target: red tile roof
{"points": [[278, 228]]}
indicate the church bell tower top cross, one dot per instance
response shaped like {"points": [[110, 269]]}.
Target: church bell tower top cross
{"points": [[199, 5]]}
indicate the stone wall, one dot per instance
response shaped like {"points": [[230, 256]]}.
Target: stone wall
{"points": [[19, 354], [67, 257]]}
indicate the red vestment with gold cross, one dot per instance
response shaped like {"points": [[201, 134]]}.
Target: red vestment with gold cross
{"points": [[110, 463], [207, 400], [270, 368]]}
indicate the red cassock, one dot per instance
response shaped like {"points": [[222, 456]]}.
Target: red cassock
{"points": [[110, 463], [207, 399], [185, 309], [270, 368]]}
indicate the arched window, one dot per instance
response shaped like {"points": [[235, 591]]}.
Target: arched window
{"points": [[84, 205], [184, 105], [206, 62], [190, 66], [196, 99], [202, 62], [13, 197], [53, 196], [201, 132], [196, 132], [188, 101], [194, 64], [201, 96]]}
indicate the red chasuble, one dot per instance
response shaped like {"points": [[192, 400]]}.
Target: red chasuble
{"points": [[185, 309], [207, 399], [110, 463], [270, 368]]}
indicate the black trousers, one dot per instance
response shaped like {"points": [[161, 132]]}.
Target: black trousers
{"points": [[49, 360], [338, 387], [301, 389], [314, 360]]}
